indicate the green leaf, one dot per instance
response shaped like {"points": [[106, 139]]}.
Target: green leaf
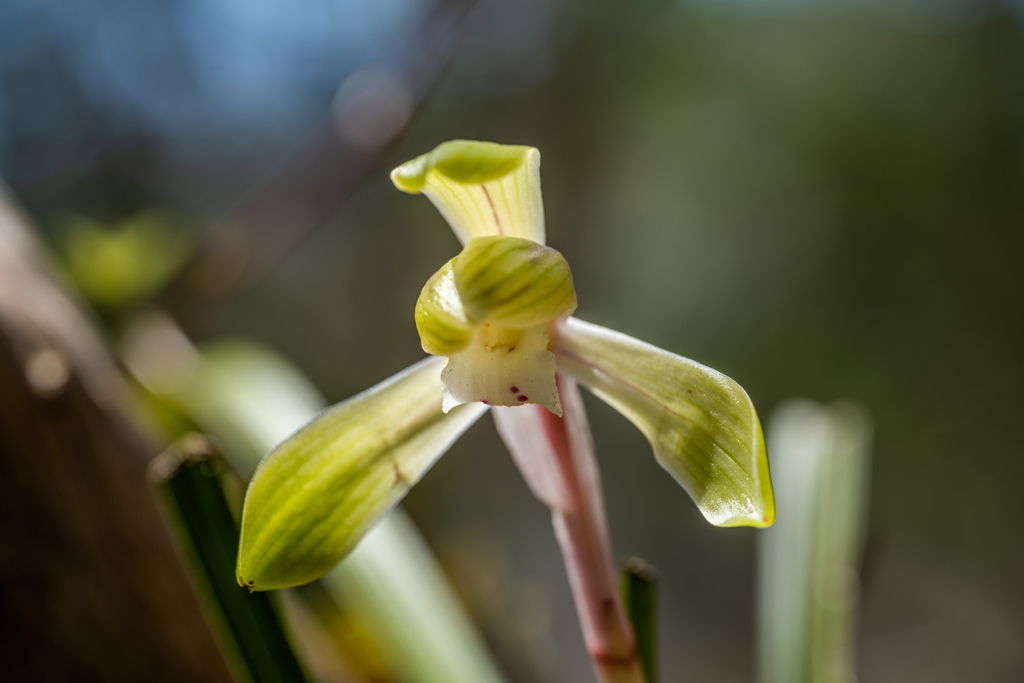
{"points": [[639, 585], [188, 475], [406, 601], [821, 456], [315, 496], [701, 424], [481, 188], [118, 265], [513, 282]]}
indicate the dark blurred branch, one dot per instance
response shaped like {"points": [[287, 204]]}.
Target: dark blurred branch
{"points": [[308, 188], [91, 586]]}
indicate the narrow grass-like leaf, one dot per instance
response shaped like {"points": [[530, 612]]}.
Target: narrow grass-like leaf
{"points": [[315, 496], [481, 188], [701, 424], [640, 596], [808, 561], [189, 480]]}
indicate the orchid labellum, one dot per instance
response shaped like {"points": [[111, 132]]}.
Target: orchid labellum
{"points": [[496, 322]]}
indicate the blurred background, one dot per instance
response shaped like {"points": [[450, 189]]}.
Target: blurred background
{"points": [[821, 199]]}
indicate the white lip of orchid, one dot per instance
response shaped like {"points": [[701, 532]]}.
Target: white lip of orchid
{"points": [[503, 367]]}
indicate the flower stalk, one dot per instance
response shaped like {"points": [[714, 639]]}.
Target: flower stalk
{"points": [[560, 452]]}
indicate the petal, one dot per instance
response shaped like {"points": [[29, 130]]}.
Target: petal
{"points": [[513, 282], [503, 367], [480, 188], [440, 318], [701, 424], [315, 496]]}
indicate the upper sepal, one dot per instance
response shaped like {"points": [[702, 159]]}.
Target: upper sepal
{"points": [[315, 495], [481, 188], [701, 424]]}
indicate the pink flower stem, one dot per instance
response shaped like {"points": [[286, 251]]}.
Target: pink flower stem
{"points": [[583, 536]]}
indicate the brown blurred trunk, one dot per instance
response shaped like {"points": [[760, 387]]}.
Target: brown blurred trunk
{"points": [[91, 585]]}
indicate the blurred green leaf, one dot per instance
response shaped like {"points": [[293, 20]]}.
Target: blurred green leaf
{"points": [[115, 266], [701, 424], [808, 560], [401, 592]]}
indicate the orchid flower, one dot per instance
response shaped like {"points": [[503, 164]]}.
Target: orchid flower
{"points": [[496, 322]]}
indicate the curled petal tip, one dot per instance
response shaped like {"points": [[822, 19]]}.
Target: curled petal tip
{"points": [[481, 188]]}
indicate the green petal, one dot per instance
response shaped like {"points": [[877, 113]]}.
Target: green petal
{"points": [[513, 282], [701, 424], [481, 188], [440, 319], [315, 496]]}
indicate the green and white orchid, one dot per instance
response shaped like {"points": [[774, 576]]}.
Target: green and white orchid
{"points": [[496, 321]]}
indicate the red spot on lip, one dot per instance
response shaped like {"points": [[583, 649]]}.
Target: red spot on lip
{"points": [[521, 398], [485, 403], [514, 390]]}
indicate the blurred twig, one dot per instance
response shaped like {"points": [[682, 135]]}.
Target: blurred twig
{"points": [[304, 191]]}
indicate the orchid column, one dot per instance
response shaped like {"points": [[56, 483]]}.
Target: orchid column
{"points": [[496, 316]]}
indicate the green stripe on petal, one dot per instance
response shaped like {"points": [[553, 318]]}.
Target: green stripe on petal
{"points": [[315, 496], [481, 188], [701, 424], [513, 282], [440, 319]]}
